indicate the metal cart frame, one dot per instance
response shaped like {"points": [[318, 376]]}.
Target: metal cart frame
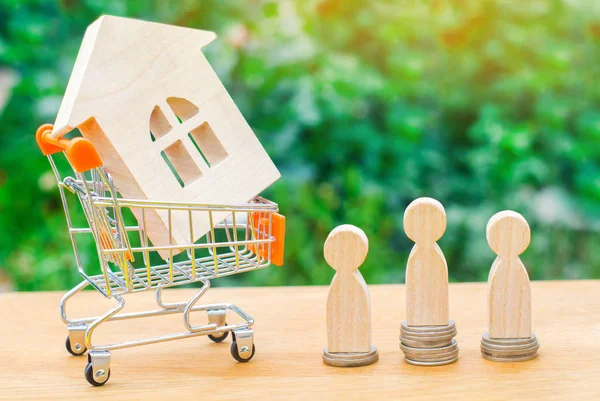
{"points": [[251, 238]]}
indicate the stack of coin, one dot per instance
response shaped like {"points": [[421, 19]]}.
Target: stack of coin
{"points": [[348, 359], [429, 345], [509, 349]]}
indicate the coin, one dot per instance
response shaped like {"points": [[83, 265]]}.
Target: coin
{"points": [[428, 338], [507, 353], [502, 348], [441, 355], [427, 329], [518, 359], [507, 341], [428, 363], [522, 348], [508, 345], [452, 332], [452, 346], [437, 359], [347, 359], [424, 344]]}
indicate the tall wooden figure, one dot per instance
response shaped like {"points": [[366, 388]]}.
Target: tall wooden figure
{"points": [[509, 337], [348, 303], [427, 335]]}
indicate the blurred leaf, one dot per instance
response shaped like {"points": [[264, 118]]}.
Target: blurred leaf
{"points": [[363, 106]]}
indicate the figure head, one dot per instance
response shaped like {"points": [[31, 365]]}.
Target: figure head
{"points": [[346, 248], [508, 233], [425, 220]]}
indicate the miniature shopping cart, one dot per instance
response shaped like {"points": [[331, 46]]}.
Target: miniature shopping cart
{"points": [[251, 238]]}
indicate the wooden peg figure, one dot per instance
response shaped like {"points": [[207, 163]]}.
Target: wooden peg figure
{"points": [[509, 290], [427, 334], [509, 337], [426, 270], [348, 303]]}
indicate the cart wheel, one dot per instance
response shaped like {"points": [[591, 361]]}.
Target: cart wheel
{"points": [[236, 355], [219, 339], [89, 375], [72, 351]]}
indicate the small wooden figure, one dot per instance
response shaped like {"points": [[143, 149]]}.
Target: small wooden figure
{"points": [[509, 337], [426, 271], [427, 334], [163, 123], [509, 291], [348, 304]]}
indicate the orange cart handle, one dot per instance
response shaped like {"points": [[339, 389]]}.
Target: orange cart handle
{"points": [[278, 232], [81, 153]]}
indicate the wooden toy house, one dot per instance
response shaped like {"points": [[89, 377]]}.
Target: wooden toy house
{"points": [[162, 121]]}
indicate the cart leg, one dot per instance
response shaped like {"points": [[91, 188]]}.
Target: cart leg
{"points": [[63, 303], [101, 319], [97, 371], [242, 348], [75, 343], [166, 305], [190, 306], [216, 317]]}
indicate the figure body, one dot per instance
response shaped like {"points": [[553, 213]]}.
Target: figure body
{"points": [[426, 270], [509, 289], [348, 304]]}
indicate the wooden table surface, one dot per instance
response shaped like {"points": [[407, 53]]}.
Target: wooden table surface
{"points": [[290, 334]]}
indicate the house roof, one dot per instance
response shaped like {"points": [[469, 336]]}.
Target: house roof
{"points": [[117, 54]]}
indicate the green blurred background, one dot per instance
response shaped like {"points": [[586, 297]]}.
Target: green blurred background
{"points": [[363, 106]]}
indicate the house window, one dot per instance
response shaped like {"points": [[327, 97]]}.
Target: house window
{"points": [[159, 125], [207, 143], [182, 129]]}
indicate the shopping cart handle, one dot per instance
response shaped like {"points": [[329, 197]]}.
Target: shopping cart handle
{"points": [[278, 233], [81, 153]]}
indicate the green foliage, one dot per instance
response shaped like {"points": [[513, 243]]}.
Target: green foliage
{"points": [[364, 106]]}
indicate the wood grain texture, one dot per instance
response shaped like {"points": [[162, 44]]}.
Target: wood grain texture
{"points": [[509, 290], [348, 305], [426, 269], [290, 333], [138, 89]]}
